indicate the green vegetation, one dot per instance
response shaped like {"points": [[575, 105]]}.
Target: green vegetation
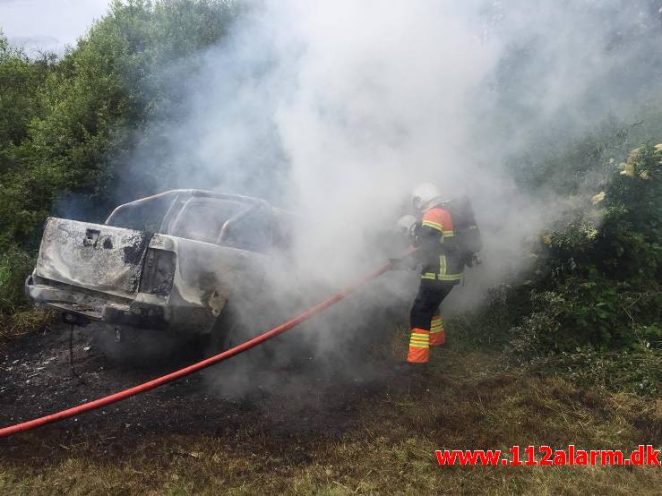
{"points": [[592, 306], [603, 272], [65, 124]]}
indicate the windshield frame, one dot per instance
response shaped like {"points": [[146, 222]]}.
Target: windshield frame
{"points": [[180, 199]]}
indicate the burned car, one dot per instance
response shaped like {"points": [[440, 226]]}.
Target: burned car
{"points": [[169, 262]]}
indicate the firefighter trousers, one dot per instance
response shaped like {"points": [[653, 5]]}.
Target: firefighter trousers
{"points": [[426, 324]]}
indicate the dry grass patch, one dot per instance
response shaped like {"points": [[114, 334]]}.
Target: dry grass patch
{"points": [[24, 322], [468, 400]]}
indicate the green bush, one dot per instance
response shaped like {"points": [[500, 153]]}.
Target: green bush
{"points": [[71, 119], [599, 283], [65, 123], [15, 264]]}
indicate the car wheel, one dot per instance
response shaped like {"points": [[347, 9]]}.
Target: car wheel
{"points": [[226, 332]]}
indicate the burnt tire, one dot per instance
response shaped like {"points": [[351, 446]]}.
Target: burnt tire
{"points": [[245, 375]]}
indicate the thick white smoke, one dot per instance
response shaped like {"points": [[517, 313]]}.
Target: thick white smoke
{"points": [[378, 106], [336, 109]]}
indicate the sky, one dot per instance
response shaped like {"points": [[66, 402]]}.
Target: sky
{"points": [[48, 25]]}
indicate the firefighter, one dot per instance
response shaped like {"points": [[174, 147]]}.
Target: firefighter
{"points": [[441, 269]]}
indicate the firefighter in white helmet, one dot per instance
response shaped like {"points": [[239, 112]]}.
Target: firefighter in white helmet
{"points": [[441, 269]]}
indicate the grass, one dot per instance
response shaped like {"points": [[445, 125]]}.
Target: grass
{"points": [[636, 371], [22, 322], [17, 316], [469, 399]]}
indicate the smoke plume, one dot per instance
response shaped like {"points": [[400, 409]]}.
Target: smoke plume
{"points": [[336, 110]]}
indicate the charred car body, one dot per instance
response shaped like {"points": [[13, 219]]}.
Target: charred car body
{"points": [[170, 261]]}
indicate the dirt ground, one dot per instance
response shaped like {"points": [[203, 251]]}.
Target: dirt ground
{"points": [[36, 377], [309, 432]]}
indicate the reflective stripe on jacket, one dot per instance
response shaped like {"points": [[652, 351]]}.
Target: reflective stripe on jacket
{"points": [[438, 253]]}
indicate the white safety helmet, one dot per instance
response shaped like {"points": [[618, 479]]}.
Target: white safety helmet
{"points": [[423, 195]]}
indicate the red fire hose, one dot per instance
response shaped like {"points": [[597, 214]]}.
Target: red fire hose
{"points": [[196, 367]]}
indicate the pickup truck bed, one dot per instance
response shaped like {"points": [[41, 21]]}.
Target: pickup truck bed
{"points": [[206, 248]]}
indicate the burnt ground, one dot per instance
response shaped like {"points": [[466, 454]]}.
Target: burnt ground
{"points": [[308, 428], [36, 378]]}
